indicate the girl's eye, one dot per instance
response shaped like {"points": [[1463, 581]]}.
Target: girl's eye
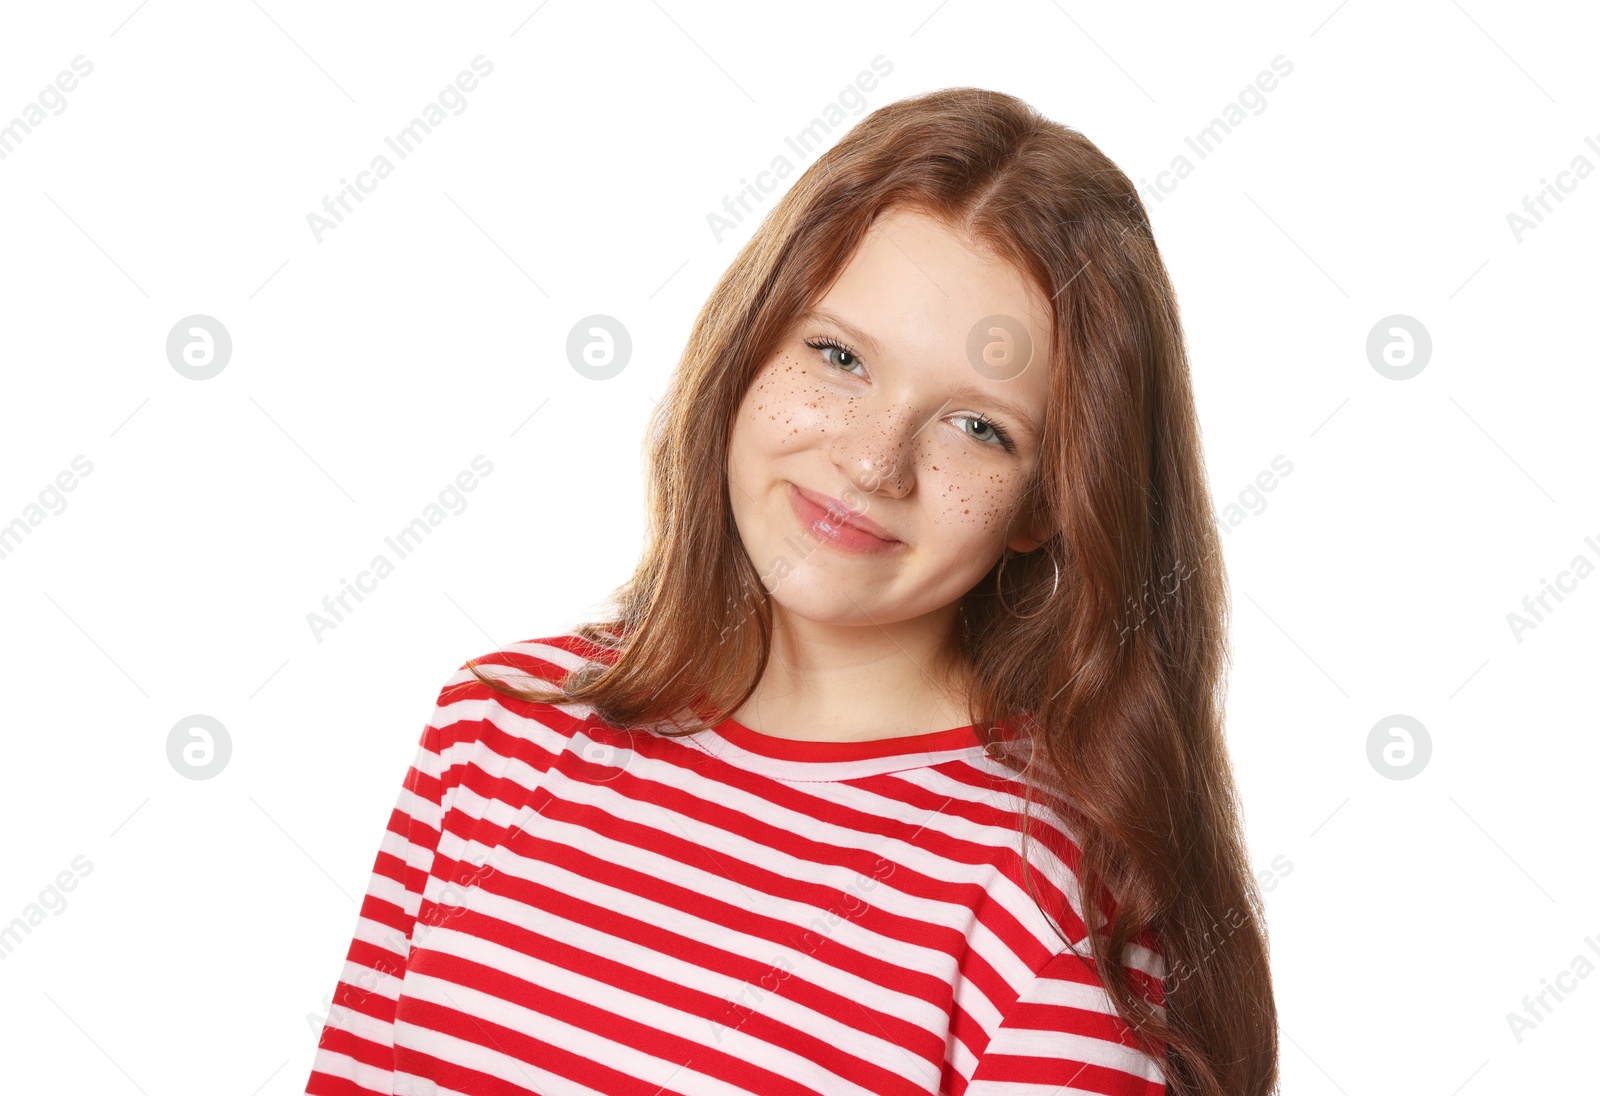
{"points": [[996, 433], [825, 345]]}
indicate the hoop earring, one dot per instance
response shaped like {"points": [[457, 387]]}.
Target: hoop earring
{"points": [[999, 587]]}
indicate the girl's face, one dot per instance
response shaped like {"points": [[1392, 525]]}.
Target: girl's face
{"points": [[911, 398]]}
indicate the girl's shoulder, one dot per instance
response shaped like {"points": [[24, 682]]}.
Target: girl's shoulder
{"points": [[471, 711], [540, 662]]}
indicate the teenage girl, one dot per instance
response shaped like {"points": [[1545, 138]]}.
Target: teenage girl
{"points": [[898, 764]]}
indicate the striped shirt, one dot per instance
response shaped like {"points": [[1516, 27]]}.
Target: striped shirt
{"points": [[562, 907]]}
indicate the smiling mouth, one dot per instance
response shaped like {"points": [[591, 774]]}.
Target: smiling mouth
{"points": [[839, 514], [827, 517]]}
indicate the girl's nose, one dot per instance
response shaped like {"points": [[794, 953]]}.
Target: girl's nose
{"points": [[878, 451]]}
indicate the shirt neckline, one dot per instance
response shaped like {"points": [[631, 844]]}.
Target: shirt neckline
{"points": [[829, 751]]}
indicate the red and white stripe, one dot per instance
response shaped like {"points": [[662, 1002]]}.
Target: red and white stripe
{"points": [[562, 907]]}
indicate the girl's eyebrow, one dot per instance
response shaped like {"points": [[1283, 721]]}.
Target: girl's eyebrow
{"points": [[965, 391], [1013, 409], [860, 336]]}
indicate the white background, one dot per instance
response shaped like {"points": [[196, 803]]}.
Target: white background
{"points": [[430, 327]]}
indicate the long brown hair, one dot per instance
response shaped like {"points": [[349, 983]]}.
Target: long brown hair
{"points": [[1112, 668]]}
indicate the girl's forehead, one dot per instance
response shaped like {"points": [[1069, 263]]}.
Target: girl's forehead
{"points": [[916, 287]]}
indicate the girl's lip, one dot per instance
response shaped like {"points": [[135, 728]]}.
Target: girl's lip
{"points": [[843, 515], [831, 517]]}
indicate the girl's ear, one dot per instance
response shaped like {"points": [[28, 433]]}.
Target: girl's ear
{"points": [[1024, 542], [1026, 536], [1030, 527]]}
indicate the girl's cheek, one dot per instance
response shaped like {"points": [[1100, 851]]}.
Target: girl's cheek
{"points": [[788, 402], [978, 500]]}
